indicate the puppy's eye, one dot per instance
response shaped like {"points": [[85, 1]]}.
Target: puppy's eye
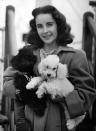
{"points": [[47, 67], [54, 68]]}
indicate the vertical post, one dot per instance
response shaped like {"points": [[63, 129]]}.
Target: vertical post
{"points": [[2, 30], [10, 35], [93, 4], [95, 45], [10, 50], [87, 38]]}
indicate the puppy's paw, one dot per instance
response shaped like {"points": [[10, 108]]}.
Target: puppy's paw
{"points": [[41, 90], [33, 83], [30, 85], [39, 94], [71, 124]]}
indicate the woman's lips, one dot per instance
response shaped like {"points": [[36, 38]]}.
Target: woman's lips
{"points": [[46, 36]]}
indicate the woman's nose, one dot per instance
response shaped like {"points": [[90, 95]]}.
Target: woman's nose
{"points": [[45, 29]]}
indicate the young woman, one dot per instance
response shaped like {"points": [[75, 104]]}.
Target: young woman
{"points": [[50, 34]]}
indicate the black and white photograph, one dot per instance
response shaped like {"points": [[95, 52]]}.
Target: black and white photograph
{"points": [[47, 65]]}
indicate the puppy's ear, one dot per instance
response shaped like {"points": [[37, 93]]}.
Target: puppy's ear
{"points": [[41, 67], [62, 71]]}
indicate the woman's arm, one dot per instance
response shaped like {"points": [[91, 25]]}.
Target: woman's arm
{"points": [[10, 91], [81, 98], [8, 85]]}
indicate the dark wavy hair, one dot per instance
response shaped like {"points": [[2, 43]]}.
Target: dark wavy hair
{"points": [[63, 28]]}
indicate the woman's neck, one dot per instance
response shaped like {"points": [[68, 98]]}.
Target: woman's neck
{"points": [[49, 48]]}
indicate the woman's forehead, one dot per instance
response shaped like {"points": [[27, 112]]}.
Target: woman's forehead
{"points": [[44, 18]]}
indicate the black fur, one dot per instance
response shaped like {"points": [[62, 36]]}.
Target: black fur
{"points": [[24, 62]]}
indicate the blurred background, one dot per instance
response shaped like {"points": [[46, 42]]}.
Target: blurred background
{"points": [[72, 9]]}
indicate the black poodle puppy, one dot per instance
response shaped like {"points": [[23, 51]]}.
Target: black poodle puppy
{"points": [[24, 62]]}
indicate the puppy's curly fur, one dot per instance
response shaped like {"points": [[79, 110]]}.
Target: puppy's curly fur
{"points": [[24, 62]]}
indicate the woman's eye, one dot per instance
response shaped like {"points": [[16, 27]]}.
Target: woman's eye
{"points": [[39, 26], [46, 67], [49, 24]]}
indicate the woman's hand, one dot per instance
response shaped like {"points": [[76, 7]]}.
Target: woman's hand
{"points": [[8, 86], [58, 99], [9, 89]]}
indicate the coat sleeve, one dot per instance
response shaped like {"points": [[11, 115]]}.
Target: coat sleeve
{"points": [[9, 90], [8, 84], [81, 99]]}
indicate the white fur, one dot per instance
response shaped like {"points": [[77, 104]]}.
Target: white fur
{"points": [[33, 82], [56, 75]]}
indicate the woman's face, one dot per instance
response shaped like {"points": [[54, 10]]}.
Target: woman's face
{"points": [[46, 28]]}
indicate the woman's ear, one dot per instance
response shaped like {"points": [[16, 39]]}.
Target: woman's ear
{"points": [[62, 71]]}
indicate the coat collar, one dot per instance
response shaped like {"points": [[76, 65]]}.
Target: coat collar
{"points": [[60, 49], [65, 49]]}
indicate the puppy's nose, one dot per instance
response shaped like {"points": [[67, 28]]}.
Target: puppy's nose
{"points": [[48, 75]]}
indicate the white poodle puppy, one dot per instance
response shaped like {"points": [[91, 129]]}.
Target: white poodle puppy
{"points": [[53, 74], [53, 80]]}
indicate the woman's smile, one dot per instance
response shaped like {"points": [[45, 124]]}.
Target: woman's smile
{"points": [[47, 36]]}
